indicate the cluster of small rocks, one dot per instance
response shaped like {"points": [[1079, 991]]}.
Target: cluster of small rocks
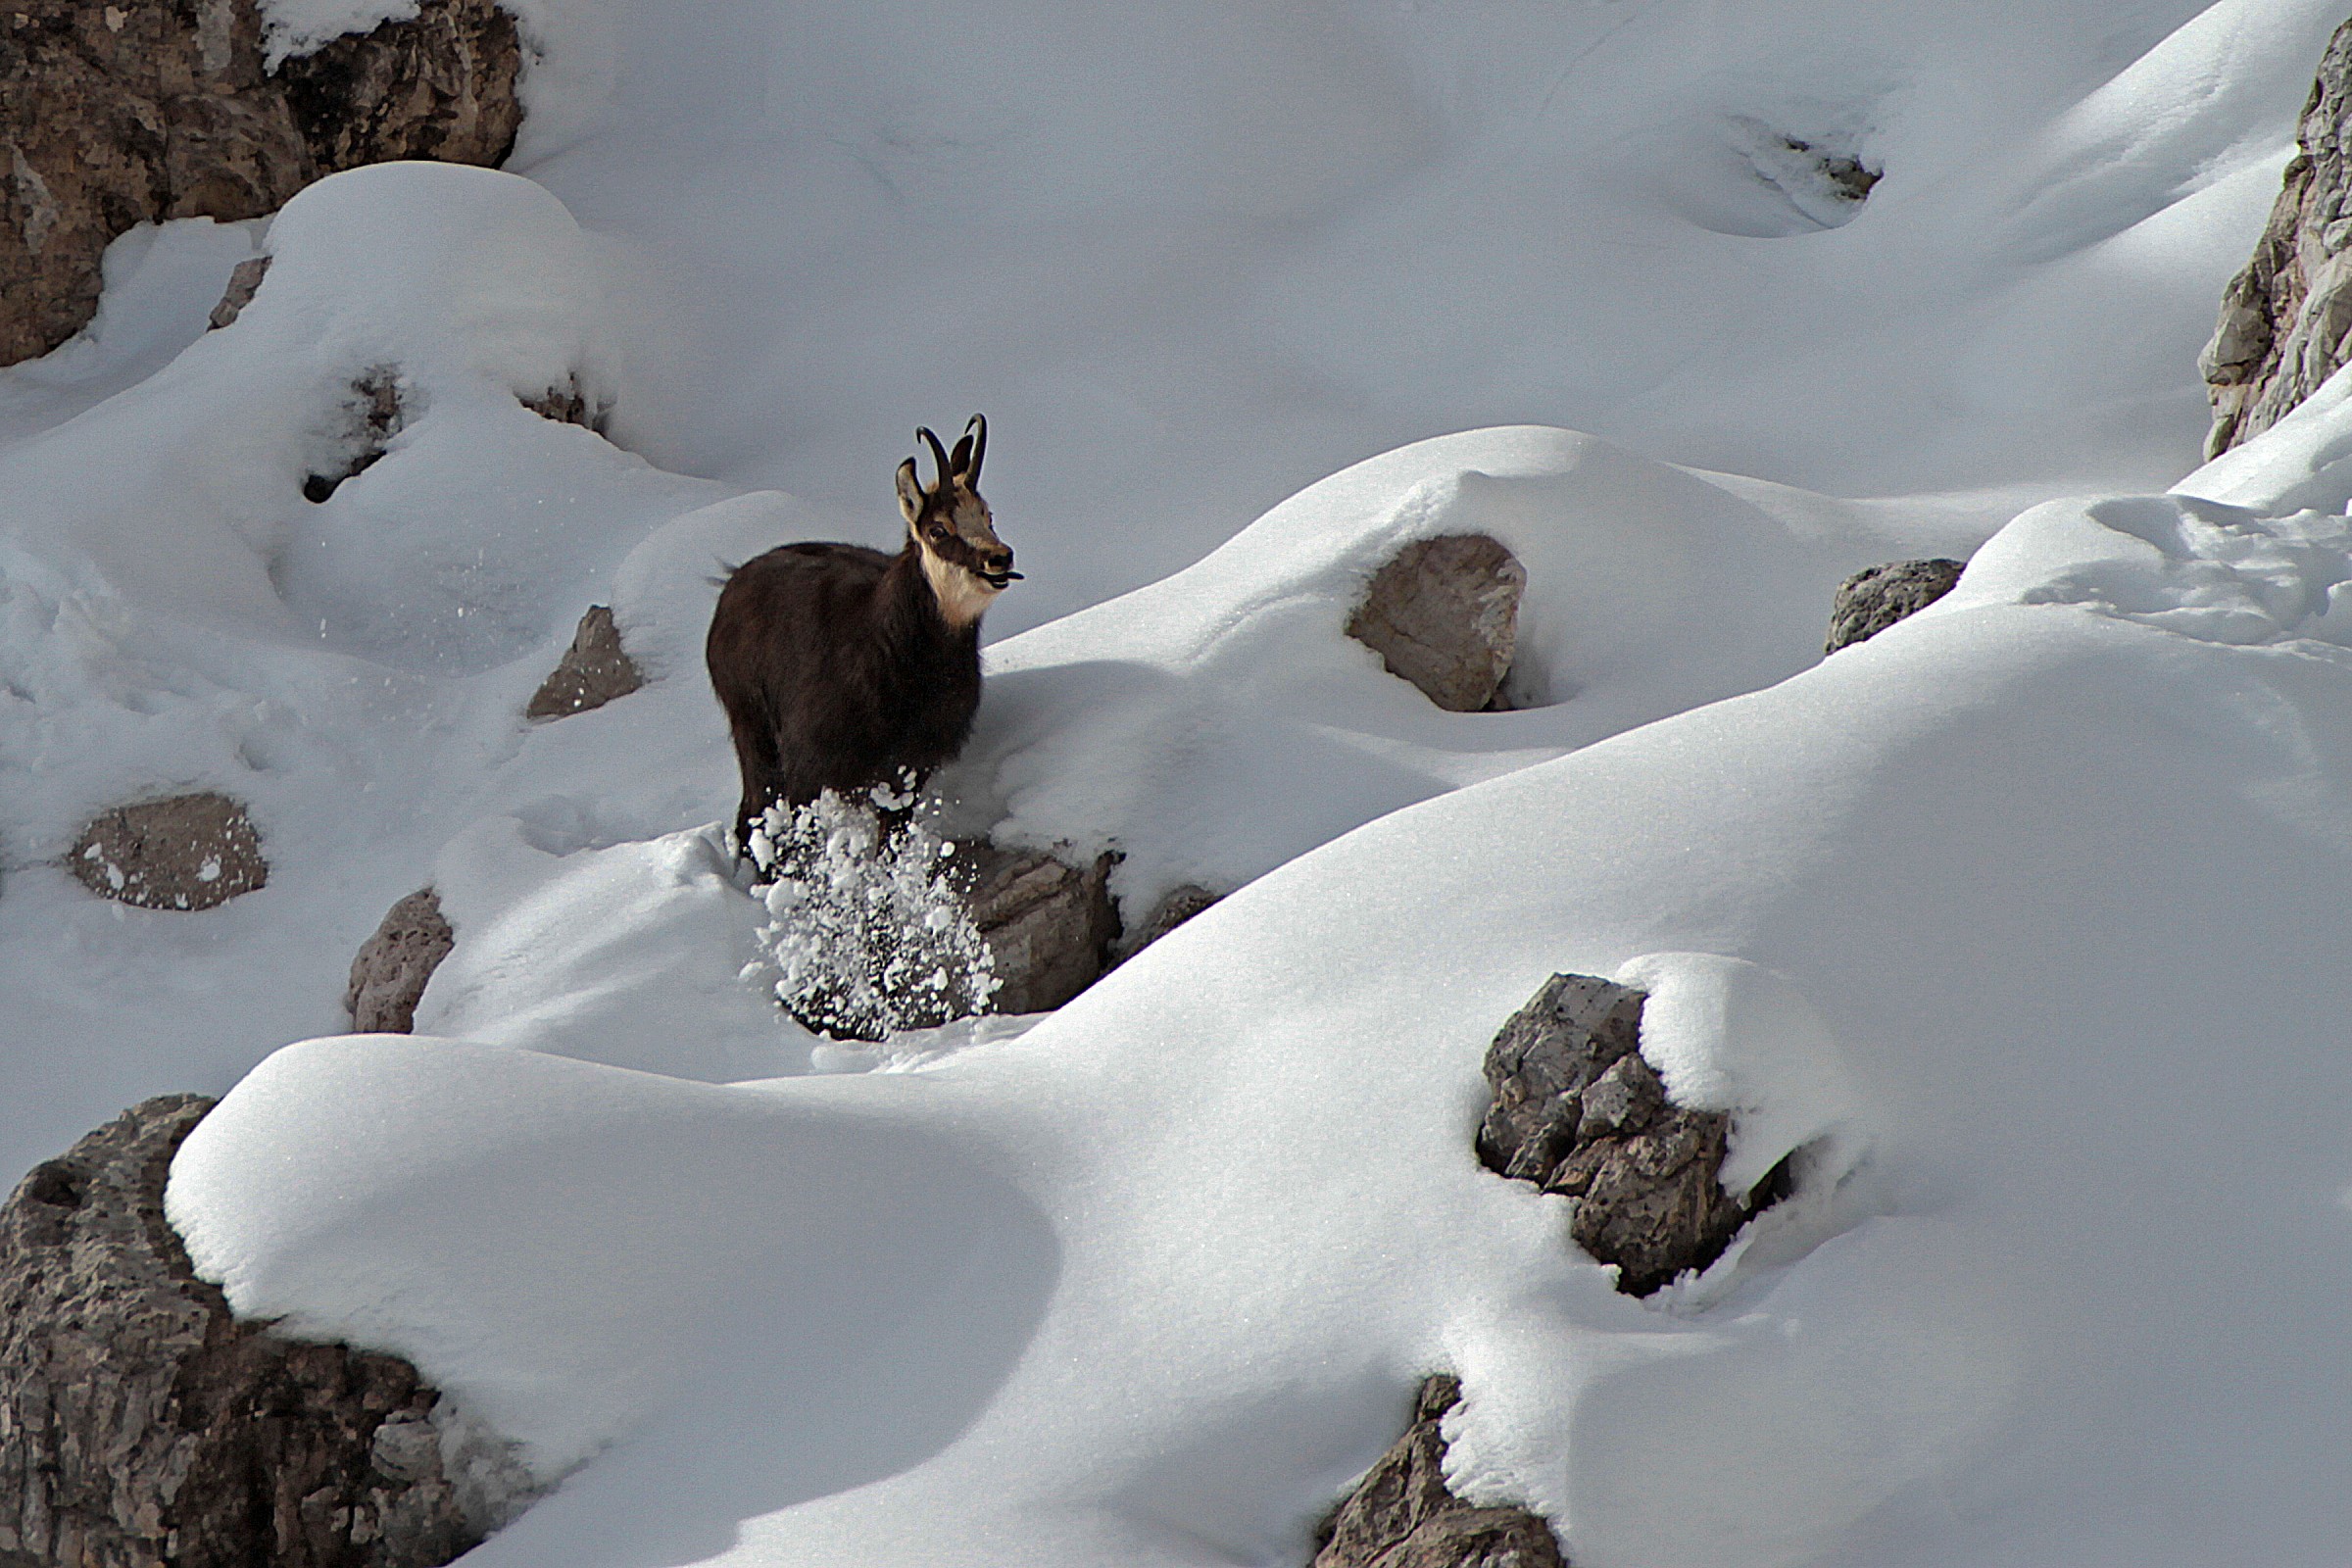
{"points": [[2285, 324], [143, 111], [141, 1424]]}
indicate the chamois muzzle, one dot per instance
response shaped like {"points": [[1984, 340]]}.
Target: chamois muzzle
{"points": [[995, 568]]}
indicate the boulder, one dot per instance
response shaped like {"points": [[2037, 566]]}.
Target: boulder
{"points": [[140, 1424], [1578, 1111], [1872, 600], [1443, 613], [2286, 318], [117, 115], [1404, 1515], [593, 670], [390, 974], [1049, 925], [188, 852]]}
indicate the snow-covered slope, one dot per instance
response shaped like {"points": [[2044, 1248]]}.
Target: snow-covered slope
{"points": [[2024, 918]]}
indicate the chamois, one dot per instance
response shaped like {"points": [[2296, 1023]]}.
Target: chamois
{"points": [[840, 668]]}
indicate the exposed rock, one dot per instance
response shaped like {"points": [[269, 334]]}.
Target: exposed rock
{"points": [[115, 115], [370, 416], [593, 670], [1404, 1515], [388, 976], [2286, 320], [1872, 600], [569, 405], [244, 282], [1444, 615], [1175, 907], [1578, 1111], [141, 1425], [1049, 925], [188, 852]]}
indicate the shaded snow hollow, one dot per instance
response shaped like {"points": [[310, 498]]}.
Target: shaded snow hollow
{"points": [[2023, 919]]}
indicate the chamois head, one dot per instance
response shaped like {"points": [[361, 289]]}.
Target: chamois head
{"points": [[948, 524]]}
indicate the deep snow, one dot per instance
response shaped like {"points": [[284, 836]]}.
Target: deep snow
{"points": [[2024, 918]]}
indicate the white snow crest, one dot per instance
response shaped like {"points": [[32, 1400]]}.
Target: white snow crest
{"points": [[1729, 1035]]}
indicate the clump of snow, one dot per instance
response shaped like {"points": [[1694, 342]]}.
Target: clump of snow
{"points": [[867, 935]]}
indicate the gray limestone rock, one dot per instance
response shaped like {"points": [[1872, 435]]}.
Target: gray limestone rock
{"points": [[1404, 1515], [1175, 907], [244, 281], [188, 852], [1049, 925], [1874, 599], [593, 671], [141, 1425], [143, 111], [1443, 613], [388, 976], [2285, 322], [1578, 1111]]}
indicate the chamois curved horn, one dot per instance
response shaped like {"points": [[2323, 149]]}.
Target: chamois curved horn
{"points": [[939, 456], [975, 431]]}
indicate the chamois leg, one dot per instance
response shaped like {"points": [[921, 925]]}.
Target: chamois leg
{"points": [[763, 777]]}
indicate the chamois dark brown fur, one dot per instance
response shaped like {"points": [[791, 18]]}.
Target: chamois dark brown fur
{"points": [[840, 668]]}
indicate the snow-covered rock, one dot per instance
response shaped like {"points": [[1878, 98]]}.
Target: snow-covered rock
{"points": [[1876, 597], [393, 966], [1443, 613], [1404, 1515], [183, 851]]}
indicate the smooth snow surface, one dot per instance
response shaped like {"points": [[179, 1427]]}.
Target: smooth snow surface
{"points": [[2021, 924]]}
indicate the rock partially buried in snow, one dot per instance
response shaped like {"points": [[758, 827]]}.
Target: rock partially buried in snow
{"points": [[371, 416], [1404, 1515], [141, 1424], [1049, 925], [244, 281], [388, 976], [2285, 322], [1175, 907], [1578, 1111], [1874, 599], [1443, 613], [570, 404], [188, 852], [142, 112], [593, 671]]}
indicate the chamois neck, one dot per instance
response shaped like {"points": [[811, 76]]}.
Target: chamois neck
{"points": [[911, 597], [956, 597]]}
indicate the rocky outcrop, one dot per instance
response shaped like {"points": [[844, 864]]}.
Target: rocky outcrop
{"points": [[1404, 1515], [570, 404], [188, 852], [2287, 320], [1049, 925], [115, 115], [593, 670], [140, 1424], [388, 975], [1443, 613], [1578, 1111], [1872, 600]]}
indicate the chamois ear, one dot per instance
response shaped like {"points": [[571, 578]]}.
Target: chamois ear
{"points": [[910, 493]]}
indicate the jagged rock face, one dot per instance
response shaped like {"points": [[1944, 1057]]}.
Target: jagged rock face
{"points": [[1874, 599], [593, 671], [141, 1425], [1404, 1515], [1049, 925], [189, 851], [388, 976], [1579, 1113], [2286, 320], [1443, 613], [115, 115]]}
